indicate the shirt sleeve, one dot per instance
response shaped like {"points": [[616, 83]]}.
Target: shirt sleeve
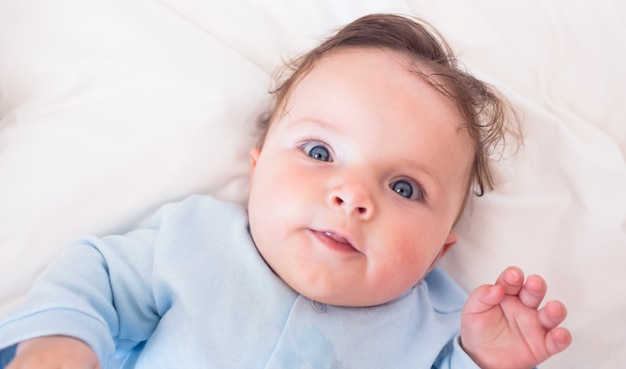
{"points": [[99, 291], [454, 357]]}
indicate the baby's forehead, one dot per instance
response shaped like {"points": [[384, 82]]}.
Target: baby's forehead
{"points": [[346, 59], [371, 85], [435, 75]]}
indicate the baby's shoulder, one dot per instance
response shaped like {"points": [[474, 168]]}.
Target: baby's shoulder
{"points": [[201, 206]]}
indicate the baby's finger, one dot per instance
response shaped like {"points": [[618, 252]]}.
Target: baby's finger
{"points": [[533, 291], [512, 279], [483, 299], [558, 340], [552, 314]]}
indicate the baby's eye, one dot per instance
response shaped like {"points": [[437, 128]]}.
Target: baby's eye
{"points": [[407, 189], [317, 151]]}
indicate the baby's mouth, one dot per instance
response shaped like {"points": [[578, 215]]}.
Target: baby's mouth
{"points": [[335, 241], [337, 238]]}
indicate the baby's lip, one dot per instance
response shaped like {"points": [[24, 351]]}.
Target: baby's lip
{"points": [[342, 241], [336, 237]]}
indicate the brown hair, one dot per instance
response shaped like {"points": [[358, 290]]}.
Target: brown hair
{"points": [[484, 111]]}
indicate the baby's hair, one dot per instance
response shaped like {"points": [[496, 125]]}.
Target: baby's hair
{"points": [[486, 114]]}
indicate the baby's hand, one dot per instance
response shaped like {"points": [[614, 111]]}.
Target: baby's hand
{"points": [[54, 352], [502, 326]]}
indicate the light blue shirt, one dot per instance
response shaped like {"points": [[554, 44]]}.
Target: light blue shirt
{"points": [[189, 290]]}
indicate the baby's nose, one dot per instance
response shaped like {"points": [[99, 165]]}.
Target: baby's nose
{"points": [[353, 199]]}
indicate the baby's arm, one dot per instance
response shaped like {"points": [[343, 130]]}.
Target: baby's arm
{"points": [[53, 352], [502, 326], [98, 291]]}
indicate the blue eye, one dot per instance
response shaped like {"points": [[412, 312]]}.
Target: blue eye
{"points": [[318, 151], [407, 190]]}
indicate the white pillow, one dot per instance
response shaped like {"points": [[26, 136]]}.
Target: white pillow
{"points": [[107, 112]]}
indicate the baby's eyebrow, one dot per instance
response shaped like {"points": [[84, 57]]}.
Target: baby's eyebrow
{"points": [[316, 122]]}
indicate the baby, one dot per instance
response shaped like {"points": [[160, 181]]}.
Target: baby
{"points": [[372, 146]]}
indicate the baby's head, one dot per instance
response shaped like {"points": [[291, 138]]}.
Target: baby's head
{"points": [[484, 111], [366, 159]]}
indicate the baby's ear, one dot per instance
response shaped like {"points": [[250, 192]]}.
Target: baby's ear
{"points": [[254, 157], [453, 237], [450, 241]]}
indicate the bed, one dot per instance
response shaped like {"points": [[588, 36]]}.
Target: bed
{"points": [[109, 109]]}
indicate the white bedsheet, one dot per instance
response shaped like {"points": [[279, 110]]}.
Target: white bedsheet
{"points": [[110, 108]]}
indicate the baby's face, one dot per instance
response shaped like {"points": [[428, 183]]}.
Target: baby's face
{"points": [[359, 182]]}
